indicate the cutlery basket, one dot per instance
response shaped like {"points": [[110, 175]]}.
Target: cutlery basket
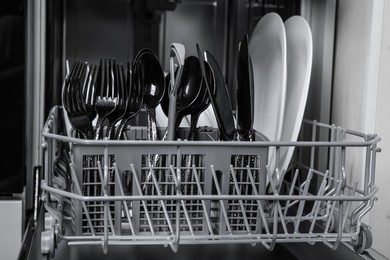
{"points": [[135, 191]]}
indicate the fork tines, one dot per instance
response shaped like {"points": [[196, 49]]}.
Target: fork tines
{"points": [[109, 91]]}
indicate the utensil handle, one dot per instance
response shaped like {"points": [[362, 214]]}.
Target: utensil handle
{"points": [[110, 131], [178, 53], [194, 123], [99, 127], [89, 133], [171, 116], [121, 126]]}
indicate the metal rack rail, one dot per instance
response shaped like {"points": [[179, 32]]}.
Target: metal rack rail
{"points": [[108, 193]]}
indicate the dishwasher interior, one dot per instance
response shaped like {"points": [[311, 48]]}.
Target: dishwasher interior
{"points": [[91, 198]]}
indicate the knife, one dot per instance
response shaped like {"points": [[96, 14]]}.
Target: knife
{"points": [[245, 89], [220, 100]]}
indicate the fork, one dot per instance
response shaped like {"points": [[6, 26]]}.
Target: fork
{"points": [[107, 100], [119, 111], [89, 91], [73, 102], [135, 96]]}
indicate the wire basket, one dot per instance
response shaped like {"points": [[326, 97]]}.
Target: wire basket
{"points": [[137, 191]]}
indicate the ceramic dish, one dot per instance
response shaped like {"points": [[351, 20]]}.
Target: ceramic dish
{"points": [[299, 62], [267, 49]]}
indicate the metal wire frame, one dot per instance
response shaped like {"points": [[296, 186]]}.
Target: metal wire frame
{"points": [[270, 220], [281, 215]]}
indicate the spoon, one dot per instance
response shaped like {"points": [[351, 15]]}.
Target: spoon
{"points": [[154, 88], [188, 91], [197, 109], [201, 104]]}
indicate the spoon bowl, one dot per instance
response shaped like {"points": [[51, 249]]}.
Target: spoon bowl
{"points": [[188, 91], [153, 83], [203, 100]]}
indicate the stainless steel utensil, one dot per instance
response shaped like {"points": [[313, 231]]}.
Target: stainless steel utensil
{"points": [[220, 98], [119, 111], [189, 92], [89, 92], [204, 103], [73, 101], [107, 100], [154, 86], [135, 98], [245, 93], [177, 53]]}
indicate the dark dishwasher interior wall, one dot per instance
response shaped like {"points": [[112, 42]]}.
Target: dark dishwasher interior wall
{"points": [[90, 29], [12, 104]]}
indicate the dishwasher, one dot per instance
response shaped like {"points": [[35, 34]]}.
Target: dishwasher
{"points": [[105, 199]]}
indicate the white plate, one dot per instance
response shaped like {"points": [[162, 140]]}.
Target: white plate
{"points": [[267, 49], [207, 118], [299, 62]]}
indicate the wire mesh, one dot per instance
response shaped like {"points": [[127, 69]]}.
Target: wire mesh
{"points": [[139, 192]]}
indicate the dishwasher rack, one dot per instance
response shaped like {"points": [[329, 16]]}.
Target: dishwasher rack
{"points": [[135, 191]]}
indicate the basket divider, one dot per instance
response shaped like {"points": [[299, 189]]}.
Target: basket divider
{"points": [[175, 244], [78, 190], [260, 207], [155, 182], [221, 202], [200, 192], [182, 202], [232, 172], [108, 218], [119, 182], [137, 184]]}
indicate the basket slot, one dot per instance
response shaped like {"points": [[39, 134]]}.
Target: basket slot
{"points": [[244, 209], [157, 182], [171, 207], [192, 182], [159, 178], [244, 215], [92, 185]]}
